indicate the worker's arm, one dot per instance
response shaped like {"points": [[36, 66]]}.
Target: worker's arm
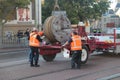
{"points": [[68, 42], [39, 38]]}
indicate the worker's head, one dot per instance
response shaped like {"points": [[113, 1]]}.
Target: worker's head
{"points": [[41, 33], [34, 30], [73, 33]]}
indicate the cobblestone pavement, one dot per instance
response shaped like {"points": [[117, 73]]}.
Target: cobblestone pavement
{"points": [[98, 67]]}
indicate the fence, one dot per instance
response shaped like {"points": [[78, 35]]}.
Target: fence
{"points": [[13, 41]]}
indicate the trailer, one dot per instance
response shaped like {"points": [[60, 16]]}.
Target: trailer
{"points": [[90, 42]]}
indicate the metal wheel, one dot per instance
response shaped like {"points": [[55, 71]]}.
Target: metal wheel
{"points": [[49, 57], [84, 56]]}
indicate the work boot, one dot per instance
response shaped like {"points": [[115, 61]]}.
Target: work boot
{"points": [[31, 65], [37, 65]]}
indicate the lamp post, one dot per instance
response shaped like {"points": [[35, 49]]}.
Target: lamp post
{"points": [[38, 15]]}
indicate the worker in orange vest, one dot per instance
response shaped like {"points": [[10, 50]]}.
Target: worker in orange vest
{"points": [[34, 43], [76, 50]]}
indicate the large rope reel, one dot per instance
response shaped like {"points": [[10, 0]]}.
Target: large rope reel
{"points": [[57, 28]]}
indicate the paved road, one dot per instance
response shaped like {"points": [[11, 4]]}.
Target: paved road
{"points": [[7, 55], [99, 67]]}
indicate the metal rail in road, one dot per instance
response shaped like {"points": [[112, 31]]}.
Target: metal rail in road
{"points": [[99, 67]]}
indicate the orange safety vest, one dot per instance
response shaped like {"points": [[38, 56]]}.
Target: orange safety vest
{"points": [[76, 43], [33, 41]]}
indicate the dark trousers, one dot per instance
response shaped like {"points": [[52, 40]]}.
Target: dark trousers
{"points": [[34, 55], [76, 59]]}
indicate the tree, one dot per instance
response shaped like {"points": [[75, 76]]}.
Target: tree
{"points": [[47, 8], [78, 10], [8, 11]]}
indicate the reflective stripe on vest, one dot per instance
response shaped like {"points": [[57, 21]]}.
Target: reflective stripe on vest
{"points": [[76, 43], [33, 41]]}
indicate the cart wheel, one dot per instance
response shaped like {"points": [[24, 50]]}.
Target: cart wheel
{"points": [[49, 57], [84, 55]]}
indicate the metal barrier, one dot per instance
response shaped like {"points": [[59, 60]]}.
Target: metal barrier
{"points": [[13, 41]]}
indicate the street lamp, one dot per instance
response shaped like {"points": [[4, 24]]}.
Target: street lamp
{"points": [[38, 15]]}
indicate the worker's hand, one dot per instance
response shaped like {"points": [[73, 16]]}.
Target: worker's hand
{"points": [[62, 47]]}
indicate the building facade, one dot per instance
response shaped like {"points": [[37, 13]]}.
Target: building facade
{"points": [[25, 18]]}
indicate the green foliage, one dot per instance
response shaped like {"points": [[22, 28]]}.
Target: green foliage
{"points": [[22, 3], [8, 8], [77, 10], [47, 9]]}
